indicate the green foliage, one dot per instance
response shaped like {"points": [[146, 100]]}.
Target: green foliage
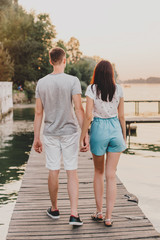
{"points": [[62, 44], [83, 69], [4, 4], [6, 65], [83, 86], [86, 66], [27, 38], [29, 88]]}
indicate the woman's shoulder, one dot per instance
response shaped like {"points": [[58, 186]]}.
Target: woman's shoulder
{"points": [[91, 88], [90, 91], [119, 89]]}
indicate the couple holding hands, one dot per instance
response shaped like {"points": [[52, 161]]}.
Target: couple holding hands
{"points": [[55, 95]]}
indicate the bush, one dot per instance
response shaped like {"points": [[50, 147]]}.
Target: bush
{"points": [[83, 86], [29, 88]]}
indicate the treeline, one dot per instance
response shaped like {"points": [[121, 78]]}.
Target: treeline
{"points": [[25, 41], [141, 80]]}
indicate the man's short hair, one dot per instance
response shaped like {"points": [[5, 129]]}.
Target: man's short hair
{"points": [[56, 55]]}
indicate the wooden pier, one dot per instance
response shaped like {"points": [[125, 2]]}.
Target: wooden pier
{"points": [[137, 102], [131, 120], [30, 221]]}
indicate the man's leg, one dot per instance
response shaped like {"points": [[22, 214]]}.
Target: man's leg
{"points": [[53, 187], [73, 191]]}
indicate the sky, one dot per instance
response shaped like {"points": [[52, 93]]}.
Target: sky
{"points": [[125, 32]]}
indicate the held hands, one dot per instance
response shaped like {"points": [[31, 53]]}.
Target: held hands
{"points": [[37, 145], [84, 144]]}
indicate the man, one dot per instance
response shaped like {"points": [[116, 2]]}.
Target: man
{"points": [[54, 95]]}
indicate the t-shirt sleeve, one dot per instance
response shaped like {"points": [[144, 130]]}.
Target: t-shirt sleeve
{"points": [[76, 89], [120, 91], [89, 92], [37, 92]]}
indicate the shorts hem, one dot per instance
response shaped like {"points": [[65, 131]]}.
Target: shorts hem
{"points": [[121, 150], [98, 154], [52, 169], [69, 169]]}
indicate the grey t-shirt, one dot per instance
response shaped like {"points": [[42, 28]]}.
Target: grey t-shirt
{"points": [[55, 92]]}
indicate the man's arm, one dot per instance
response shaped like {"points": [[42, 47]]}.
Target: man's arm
{"points": [[37, 144], [87, 120], [79, 111]]}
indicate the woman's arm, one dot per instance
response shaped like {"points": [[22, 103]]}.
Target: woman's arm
{"points": [[86, 122], [121, 117]]}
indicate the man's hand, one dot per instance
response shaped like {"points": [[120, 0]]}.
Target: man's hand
{"points": [[84, 144], [37, 144]]}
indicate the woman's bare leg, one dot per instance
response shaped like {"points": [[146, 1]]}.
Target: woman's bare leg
{"points": [[111, 188], [98, 181]]}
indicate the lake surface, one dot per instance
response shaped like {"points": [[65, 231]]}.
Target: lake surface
{"points": [[16, 137], [138, 167]]}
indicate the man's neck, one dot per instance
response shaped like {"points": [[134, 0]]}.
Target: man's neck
{"points": [[58, 70]]}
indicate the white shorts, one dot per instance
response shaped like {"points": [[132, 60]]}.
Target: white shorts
{"points": [[58, 146]]}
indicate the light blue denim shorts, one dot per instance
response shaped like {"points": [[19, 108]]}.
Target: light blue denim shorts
{"points": [[106, 136]]}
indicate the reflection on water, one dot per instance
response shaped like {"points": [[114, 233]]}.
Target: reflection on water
{"points": [[16, 137], [26, 114], [13, 156], [6, 198], [142, 147]]}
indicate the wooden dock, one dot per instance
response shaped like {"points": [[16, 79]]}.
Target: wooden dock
{"points": [[30, 221]]}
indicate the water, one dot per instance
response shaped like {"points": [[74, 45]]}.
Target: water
{"points": [[16, 137], [141, 92], [139, 166]]}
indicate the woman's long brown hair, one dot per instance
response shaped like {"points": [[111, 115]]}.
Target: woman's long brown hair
{"points": [[103, 79]]}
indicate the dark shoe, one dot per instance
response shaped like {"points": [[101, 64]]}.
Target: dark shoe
{"points": [[110, 223], [53, 214], [95, 216], [75, 221]]}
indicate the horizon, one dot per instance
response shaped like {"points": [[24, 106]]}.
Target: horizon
{"points": [[143, 79], [124, 32]]}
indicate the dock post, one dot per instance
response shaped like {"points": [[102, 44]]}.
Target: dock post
{"points": [[159, 107], [136, 108], [129, 133]]}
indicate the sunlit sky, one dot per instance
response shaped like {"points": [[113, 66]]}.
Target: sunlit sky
{"points": [[125, 32]]}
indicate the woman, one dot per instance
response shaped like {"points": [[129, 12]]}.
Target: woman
{"points": [[107, 136]]}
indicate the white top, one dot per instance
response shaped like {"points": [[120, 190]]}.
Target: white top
{"points": [[103, 109]]}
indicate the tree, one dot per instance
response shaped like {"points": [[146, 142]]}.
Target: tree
{"points": [[4, 4], [6, 65], [83, 69], [27, 38], [86, 66], [73, 50], [62, 45]]}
